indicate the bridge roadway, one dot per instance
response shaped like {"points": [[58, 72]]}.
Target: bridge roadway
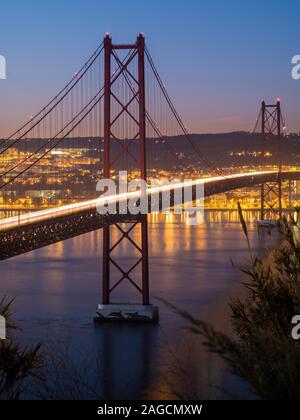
{"points": [[25, 233]]}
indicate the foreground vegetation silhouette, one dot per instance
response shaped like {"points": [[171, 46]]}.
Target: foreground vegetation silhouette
{"points": [[263, 353], [17, 364]]}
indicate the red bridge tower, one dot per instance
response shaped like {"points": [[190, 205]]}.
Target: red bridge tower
{"points": [[271, 193], [113, 98]]}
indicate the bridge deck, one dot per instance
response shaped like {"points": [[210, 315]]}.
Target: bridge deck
{"points": [[25, 233]]}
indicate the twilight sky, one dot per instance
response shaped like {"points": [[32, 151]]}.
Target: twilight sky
{"points": [[218, 58]]}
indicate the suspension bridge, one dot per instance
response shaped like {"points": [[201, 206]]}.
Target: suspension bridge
{"points": [[119, 107]]}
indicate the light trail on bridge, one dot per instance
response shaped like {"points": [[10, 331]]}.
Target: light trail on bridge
{"points": [[53, 213]]}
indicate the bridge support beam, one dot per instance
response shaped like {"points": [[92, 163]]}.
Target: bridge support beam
{"points": [[109, 311], [271, 193]]}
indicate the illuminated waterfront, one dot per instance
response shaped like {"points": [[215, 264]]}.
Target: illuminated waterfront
{"points": [[70, 175]]}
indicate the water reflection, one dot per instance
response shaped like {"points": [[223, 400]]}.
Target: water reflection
{"points": [[128, 354], [190, 267]]}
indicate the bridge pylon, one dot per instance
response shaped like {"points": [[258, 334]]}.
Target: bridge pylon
{"points": [[271, 193], [116, 107]]}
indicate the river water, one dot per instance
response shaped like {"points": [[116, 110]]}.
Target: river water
{"points": [[57, 290]]}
